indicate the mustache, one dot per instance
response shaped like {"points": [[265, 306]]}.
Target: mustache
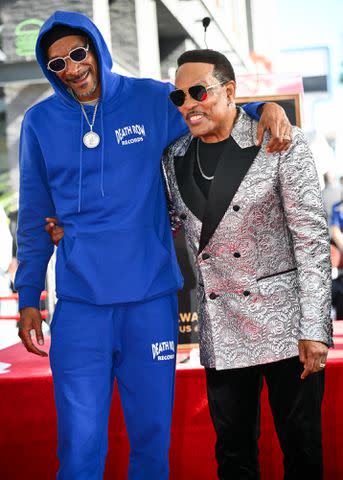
{"points": [[195, 112], [78, 76]]}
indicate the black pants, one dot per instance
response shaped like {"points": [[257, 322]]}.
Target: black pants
{"points": [[234, 401]]}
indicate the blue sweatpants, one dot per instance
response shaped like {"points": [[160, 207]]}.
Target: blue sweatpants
{"points": [[91, 346]]}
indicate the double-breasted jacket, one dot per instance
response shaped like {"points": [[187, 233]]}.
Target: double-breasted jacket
{"points": [[261, 247]]}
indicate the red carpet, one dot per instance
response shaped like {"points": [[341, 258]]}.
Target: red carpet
{"points": [[28, 423]]}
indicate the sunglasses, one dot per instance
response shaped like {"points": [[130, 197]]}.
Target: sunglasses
{"points": [[76, 55], [197, 92]]}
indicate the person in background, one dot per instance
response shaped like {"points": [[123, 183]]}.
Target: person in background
{"points": [[331, 193], [13, 218], [336, 222], [5, 254], [336, 232]]}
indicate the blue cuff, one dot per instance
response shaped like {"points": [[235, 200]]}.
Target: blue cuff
{"points": [[29, 297], [252, 109]]}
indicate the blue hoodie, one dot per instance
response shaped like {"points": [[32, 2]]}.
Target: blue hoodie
{"points": [[118, 245]]}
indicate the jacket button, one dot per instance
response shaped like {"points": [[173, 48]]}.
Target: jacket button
{"points": [[236, 208], [183, 216], [246, 293], [213, 296], [237, 254], [205, 256]]}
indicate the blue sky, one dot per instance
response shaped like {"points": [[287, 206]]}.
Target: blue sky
{"points": [[310, 22], [318, 23], [306, 23]]}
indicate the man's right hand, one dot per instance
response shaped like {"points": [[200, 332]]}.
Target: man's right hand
{"points": [[30, 319], [55, 231]]}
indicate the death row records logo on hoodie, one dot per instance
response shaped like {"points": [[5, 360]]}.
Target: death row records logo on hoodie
{"points": [[130, 134]]}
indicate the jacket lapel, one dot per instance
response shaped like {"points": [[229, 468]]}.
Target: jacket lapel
{"points": [[190, 193], [229, 175]]}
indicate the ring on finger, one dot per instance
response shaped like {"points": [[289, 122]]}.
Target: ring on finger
{"points": [[322, 365]]}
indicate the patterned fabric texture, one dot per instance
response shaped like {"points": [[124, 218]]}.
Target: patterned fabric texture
{"points": [[254, 308]]}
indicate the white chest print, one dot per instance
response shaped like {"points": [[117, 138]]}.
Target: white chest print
{"points": [[130, 134]]}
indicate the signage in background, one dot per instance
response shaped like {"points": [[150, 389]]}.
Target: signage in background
{"points": [[22, 19], [26, 34]]}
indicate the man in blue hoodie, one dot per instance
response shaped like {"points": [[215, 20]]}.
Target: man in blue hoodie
{"points": [[90, 155]]}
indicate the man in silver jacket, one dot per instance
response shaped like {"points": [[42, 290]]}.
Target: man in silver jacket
{"points": [[257, 229]]}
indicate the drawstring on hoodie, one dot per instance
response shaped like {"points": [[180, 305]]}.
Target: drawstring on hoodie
{"points": [[102, 159], [102, 154], [80, 164]]}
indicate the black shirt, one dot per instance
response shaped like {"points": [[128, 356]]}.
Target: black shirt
{"points": [[209, 154]]}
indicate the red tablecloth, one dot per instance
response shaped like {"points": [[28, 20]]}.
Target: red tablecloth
{"points": [[28, 423]]}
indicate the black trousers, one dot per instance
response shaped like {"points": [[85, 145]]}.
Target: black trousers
{"points": [[234, 401]]}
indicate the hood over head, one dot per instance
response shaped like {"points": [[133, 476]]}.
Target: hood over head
{"points": [[109, 81], [80, 23]]}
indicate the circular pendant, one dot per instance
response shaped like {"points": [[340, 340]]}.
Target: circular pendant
{"points": [[91, 139]]}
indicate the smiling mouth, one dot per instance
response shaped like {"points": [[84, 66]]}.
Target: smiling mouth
{"points": [[80, 79], [195, 118]]}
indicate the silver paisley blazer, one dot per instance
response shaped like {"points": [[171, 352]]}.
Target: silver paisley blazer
{"points": [[264, 275]]}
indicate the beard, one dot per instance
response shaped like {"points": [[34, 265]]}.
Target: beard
{"points": [[91, 90]]}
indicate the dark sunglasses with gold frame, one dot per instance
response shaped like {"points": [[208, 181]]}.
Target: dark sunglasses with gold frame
{"points": [[197, 92]]}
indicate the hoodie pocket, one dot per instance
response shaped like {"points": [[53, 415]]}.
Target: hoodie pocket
{"points": [[117, 266]]}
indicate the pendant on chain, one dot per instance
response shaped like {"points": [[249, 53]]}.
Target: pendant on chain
{"points": [[91, 139]]}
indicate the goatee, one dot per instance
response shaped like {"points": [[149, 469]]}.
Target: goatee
{"points": [[89, 92]]}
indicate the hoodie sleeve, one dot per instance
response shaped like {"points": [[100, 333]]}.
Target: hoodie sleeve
{"points": [[176, 125], [35, 204], [252, 109]]}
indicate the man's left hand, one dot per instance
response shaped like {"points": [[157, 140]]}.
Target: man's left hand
{"points": [[274, 118], [313, 355], [55, 231]]}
